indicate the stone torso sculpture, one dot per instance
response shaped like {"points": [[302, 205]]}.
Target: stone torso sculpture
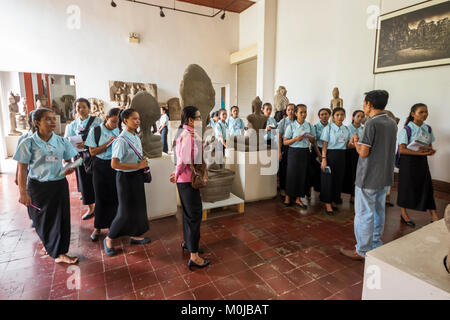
{"points": [[148, 108], [13, 110], [67, 109], [336, 102], [280, 99]]}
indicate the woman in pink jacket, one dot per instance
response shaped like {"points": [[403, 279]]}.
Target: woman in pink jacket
{"points": [[189, 151]]}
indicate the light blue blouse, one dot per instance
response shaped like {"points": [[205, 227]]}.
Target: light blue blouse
{"points": [[44, 159], [212, 123], [319, 129], [122, 151], [221, 130], [417, 133], [283, 124], [23, 137], [337, 137], [74, 128], [353, 130], [105, 134], [235, 126], [164, 120], [296, 129], [272, 123]]}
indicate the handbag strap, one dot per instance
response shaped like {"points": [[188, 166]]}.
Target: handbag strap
{"points": [[132, 147]]}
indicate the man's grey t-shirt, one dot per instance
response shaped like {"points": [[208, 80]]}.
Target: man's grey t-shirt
{"points": [[376, 171]]}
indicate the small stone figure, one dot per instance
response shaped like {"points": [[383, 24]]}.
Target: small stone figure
{"points": [[174, 109], [336, 102], [13, 110], [280, 99], [68, 105], [97, 108]]}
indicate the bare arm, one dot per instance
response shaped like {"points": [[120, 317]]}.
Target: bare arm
{"points": [[24, 198], [362, 149], [404, 150], [100, 149], [324, 154], [116, 164]]}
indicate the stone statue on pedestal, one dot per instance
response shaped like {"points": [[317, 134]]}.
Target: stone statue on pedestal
{"points": [[148, 108], [13, 110], [336, 102], [280, 99]]}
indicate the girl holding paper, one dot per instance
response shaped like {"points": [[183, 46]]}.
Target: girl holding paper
{"points": [[131, 219], [415, 188], [298, 136], [100, 141], [46, 195]]}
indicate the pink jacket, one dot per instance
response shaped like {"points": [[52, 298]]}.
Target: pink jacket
{"points": [[184, 146]]}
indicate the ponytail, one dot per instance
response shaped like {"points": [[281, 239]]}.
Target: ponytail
{"points": [[413, 110]]}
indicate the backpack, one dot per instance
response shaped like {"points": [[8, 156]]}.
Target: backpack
{"points": [[409, 134], [88, 161]]}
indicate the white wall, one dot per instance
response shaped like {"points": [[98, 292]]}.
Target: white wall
{"points": [[98, 52], [248, 27], [326, 43], [246, 86]]}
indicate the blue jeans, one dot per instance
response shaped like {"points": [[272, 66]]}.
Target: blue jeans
{"points": [[369, 218]]}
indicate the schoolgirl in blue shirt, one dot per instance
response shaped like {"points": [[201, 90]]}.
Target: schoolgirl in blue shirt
{"points": [[100, 141], [335, 139], [282, 149], [23, 137], [221, 130], [46, 194], [298, 137], [131, 219], [164, 128], [80, 127], [415, 187], [271, 123], [213, 119], [351, 158], [235, 124], [315, 171]]}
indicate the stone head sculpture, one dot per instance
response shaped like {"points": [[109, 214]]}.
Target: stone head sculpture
{"points": [[336, 93], [257, 120], [196, 89], [280, 99], [148, 108]]}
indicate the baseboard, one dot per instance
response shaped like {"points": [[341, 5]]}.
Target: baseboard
{"points": [[440, 186]]}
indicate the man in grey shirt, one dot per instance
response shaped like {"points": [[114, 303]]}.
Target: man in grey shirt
{"points": [[374, 175]]}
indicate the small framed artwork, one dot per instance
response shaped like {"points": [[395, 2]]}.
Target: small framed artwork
{"points": [[414, 37]]}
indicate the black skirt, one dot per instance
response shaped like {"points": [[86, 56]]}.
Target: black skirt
{"points": [[331, 184], [131, 219], [415, 188], [351, 164], [191, 202], [297, 171], [314, 171], [52, 221], [283, 167], [104, 180], [85, 185]]}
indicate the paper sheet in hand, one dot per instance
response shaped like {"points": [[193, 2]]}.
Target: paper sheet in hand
{"points": [[74, 141], [77, 163], [416, 145]]}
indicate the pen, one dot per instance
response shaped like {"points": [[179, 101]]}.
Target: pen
{"points": [[35, 207]]}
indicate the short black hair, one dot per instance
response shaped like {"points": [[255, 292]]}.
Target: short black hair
{"points": [[378, 98], [234, 107]]}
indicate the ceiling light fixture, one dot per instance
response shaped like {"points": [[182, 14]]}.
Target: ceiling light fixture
{"points": [[161, 13], [113, 4]]}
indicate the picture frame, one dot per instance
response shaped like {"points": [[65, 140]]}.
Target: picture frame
{"points": [[414, 37]]}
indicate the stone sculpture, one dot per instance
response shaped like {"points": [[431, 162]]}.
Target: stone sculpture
{"points": [[41, 101], [174, 109], [196, 90], [124, 92], [97, 107], [148, 108], [280, 99], [336, 102], [57, 109], [13, 110], [68, 105]]}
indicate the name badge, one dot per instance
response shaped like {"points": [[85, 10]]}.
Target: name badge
{"points": [[341, 140], [51, 159]]}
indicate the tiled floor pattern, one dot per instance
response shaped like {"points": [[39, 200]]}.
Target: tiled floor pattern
{"points": [[270, 252]]}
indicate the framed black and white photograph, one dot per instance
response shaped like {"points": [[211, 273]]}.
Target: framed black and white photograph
{"points": [[414, 37]]}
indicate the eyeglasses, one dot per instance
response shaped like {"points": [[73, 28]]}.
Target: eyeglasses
{"points": [[199, 117]]}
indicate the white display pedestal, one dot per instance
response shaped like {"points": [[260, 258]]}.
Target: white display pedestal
{"points": [[410, 268], [11, 144], [231, 201], [256, 173], [161, 195]]}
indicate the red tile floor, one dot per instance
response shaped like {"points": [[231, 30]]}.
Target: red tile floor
{"points": [[270, 252]]}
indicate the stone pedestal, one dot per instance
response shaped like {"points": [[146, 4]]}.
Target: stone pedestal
{"points": [[161, 194], [11, 144], [256, 174], [409, 268]]}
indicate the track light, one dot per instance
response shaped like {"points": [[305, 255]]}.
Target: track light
{"points": [[161, 13], [223, 15], [113, 4]]}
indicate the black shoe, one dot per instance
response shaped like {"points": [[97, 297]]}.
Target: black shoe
{"points": [[408, 223], [445, 264], [192, 264], [330, 213], [301, 206], [184, 247], [388, 204], [88, 216], [94, 237], [143, 241]]}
